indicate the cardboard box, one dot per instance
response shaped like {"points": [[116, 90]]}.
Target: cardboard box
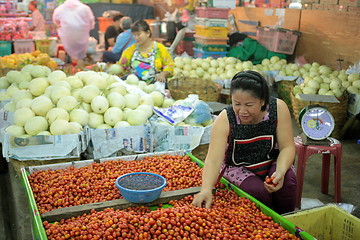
{"points": [[353, 9], [339, 8], [334, 2], [353, 3], [328, 222], [317, 7], [307, 6]]}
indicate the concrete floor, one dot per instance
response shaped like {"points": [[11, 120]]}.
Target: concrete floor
{"points": [[311, 190]]}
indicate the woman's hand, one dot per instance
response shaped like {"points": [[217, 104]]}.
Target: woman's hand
{"points": [[161, 77], [203, 199], [276, 183]]}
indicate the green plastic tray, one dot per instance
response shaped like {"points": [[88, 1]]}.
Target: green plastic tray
{"points": [[40, 234]]}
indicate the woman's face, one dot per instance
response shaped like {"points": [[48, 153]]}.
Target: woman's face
{"points": [[247, 107], [141, 36]]}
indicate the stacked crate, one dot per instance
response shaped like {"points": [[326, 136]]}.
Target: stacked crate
{"points": [[187, 44], [211, 32]]}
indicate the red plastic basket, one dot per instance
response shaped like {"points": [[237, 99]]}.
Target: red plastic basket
{"points": [[278, 40], [104, 23]]}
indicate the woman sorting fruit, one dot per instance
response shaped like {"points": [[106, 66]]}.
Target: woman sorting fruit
{"points": [[251, 141], [147, 59]]}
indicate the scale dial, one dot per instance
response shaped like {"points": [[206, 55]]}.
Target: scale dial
{"points": [[317, 123]]}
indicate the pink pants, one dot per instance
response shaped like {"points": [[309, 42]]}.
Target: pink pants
{"points": [[281, 201]]}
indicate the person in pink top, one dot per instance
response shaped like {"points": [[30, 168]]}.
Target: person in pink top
{"points": [[74, 20], [38, 21]]}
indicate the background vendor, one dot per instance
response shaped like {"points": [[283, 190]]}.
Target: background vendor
{"points": [[245, 48], [38, 21], [123, 41], [112, 32], [147, 59]]}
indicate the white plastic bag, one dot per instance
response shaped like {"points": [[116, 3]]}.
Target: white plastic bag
{"points": [[75, 20]]}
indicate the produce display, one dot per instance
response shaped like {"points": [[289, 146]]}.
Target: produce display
{"points": [[54, 189], [48, 102], [230, 217], [14, 28], [209, 68], [322, 80], [317, 79], [16, 61]]}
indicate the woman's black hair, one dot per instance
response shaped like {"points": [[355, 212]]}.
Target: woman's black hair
{"points": [[236, 37], [252, 82], [140, 25]]}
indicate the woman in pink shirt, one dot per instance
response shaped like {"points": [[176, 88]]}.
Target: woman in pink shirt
{"points": [[74, 20]]}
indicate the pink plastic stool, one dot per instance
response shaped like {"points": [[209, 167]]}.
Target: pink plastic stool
{"points": [[305, 151]]}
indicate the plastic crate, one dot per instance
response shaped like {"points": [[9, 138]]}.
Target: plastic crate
{"points": [[43, 45], [5, 48], [211, 32], [104, 23], [212, 22], [211, 48], [203, 54], [328, 222], [24, 46], [210, 41], [278, 40], [204, 12], [221, 3]]}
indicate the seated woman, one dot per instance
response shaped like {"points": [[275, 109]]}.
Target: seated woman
{"points": [[250, 139], [123, 41], [245, 48], [149, 60]]}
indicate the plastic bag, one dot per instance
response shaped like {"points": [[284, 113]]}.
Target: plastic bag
{"points": [[353, 69], [179, 111], [92, 45], [75, 20], [201, 113]]}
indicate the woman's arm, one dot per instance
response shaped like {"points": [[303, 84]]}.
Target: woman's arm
{"points": [[125, 59], [161, 77], [214, 158], [163, 60], [285, 140]]}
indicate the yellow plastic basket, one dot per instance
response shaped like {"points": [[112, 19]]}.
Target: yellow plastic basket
{"points": [[43, 45], [213, 32], [328, 222]]}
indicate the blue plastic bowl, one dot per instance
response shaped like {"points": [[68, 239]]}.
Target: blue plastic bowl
{"points": [[140, 187]]}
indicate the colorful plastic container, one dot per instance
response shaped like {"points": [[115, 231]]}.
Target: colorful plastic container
{"points": [[205, 12], [278, 40], [203, 54]]}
